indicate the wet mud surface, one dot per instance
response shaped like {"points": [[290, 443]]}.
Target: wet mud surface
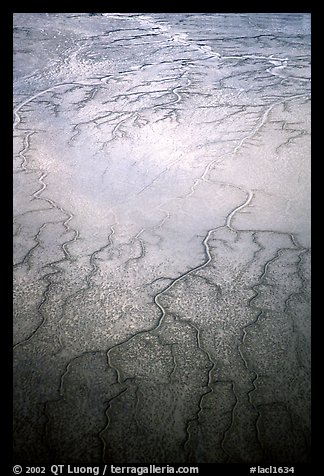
{"points": [[161, 238]]}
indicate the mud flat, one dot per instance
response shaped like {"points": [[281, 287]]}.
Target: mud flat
{"points": [[161, 238]]}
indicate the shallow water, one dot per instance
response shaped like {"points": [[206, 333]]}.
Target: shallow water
{"points": [[161, 238]]}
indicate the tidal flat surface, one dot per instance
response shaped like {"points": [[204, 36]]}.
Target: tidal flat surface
{"points": [[161, 238]]}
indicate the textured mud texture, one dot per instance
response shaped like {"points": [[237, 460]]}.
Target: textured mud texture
{"points": [[161, 238]]}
